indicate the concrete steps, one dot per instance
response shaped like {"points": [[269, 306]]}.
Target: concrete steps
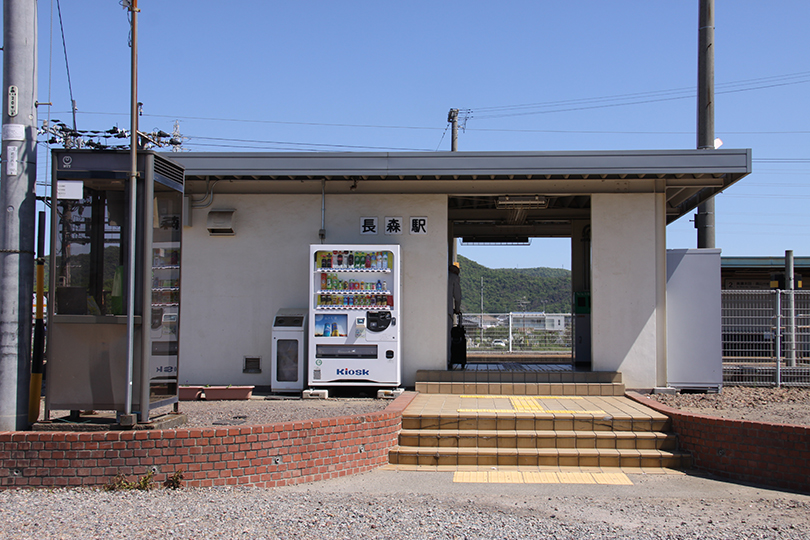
{"points": [[545, 381], [560, 430]]}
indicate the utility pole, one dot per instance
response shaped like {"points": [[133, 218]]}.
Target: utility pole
{"points": [[127, 418], [18, 204], [452, 117], [704, 219]]}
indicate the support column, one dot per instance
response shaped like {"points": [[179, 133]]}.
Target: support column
{"points": [[581, 286], [629, 287]]}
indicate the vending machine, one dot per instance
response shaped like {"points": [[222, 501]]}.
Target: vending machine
{"points": [[354, 325]]}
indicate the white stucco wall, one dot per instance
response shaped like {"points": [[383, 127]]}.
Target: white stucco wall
{"points": [[629, 287], [233, 286]]}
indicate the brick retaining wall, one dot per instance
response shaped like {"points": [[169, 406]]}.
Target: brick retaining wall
{"points": [[262, 456], [775, 455]]}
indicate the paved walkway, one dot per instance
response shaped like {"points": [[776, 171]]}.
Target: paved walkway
{"points": [[582, 408]]}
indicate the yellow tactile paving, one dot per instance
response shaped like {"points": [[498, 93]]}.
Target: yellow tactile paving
{"points": [[575, 478], [505, 477], [542, 477], [603, 406], [539, 477], [531, 404], [472, 477], [465, 396], [612, 479]]}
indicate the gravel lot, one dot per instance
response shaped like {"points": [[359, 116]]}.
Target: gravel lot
{"points": [[270, 411], [423, 505], [413, 505], [784, 405]]}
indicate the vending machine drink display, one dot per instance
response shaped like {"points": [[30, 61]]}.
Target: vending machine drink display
{"points": [[354, 299]]}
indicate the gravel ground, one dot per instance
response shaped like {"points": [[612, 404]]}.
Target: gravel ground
{"points": [[415, 505], [779, 405], [259, 410], [270, 411], [421, 505]]}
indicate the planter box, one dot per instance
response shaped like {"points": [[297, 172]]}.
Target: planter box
{"points": [[215, 393], [189, 393]]}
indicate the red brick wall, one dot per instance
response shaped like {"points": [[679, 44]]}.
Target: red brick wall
{"points": [[262, 456], [771, 454]]}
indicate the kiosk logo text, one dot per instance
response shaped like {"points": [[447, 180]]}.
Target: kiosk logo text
{"points": [[357, 372]]}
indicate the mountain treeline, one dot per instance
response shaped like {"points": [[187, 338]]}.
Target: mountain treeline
{"points": [[514, 289]]}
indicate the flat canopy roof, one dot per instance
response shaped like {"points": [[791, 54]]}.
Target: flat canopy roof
{"points": [[473, 181], [777, 263]]}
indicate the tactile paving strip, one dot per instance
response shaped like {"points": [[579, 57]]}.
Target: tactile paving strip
{"points": [[541, 477], [531, 404]]}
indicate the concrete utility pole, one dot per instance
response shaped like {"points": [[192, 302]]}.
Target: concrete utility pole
{"points": [[133, 221], [704, 219], [18, 206], [452, 117]]}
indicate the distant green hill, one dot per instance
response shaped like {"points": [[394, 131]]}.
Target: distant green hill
{"points": [[544, 289]]}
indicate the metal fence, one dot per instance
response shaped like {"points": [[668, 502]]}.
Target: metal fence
{"points": [[766, 338], [519, 332]]}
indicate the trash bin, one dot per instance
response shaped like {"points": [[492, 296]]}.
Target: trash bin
{"points": [[289, 350]]}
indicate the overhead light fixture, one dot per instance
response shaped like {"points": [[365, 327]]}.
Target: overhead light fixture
{"points": [[492, 240], [522, 201]]}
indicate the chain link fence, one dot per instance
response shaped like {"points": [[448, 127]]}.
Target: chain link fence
{"points": [[541, 333], [766, 338]]}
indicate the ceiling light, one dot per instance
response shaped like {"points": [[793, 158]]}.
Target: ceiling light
{"points": [[522, 201]]}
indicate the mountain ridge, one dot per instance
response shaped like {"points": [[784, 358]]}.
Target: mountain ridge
{"points": [[514, 289]]}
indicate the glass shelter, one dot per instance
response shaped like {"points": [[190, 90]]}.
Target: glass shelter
{"points": [[89, 271]]}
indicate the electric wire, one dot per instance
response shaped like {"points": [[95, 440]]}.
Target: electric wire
{"points": [[638, 98], [296, 144], [67, 64]]}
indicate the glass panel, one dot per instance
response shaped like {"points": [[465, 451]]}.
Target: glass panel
{"points": [[165, 288], [287, 360], [91, 247]]}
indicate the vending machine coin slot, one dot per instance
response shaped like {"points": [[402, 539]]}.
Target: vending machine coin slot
{"points": [[378, 320]]}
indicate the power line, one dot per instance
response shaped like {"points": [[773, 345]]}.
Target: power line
{"points": [[653, 93], [639, 98], [504, 130], [297, 144], [255, 121], [613, 132], [67, 65]]}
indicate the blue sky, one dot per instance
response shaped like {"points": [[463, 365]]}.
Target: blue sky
{"points": [[528, 75]]}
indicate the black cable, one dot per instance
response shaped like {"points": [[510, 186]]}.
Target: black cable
{"points": [[688, 89], [295, 144], [67, 65]]}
